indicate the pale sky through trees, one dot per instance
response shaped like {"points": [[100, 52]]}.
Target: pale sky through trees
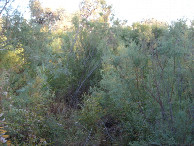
{"points": [[133, 10]]}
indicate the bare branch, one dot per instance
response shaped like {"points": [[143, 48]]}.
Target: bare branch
{"points": [[6, 2], [88, 75], [87, 139], [107, 131]]}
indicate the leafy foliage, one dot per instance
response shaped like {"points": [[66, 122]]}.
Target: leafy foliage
{"points": [[95, 82]]}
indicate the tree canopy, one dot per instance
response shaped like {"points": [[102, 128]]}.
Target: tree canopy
{"points": [[90, 79]]}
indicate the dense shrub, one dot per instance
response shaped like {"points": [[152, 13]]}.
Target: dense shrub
{"points": [[94, 82]]}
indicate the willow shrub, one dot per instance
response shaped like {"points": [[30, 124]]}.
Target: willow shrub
{"points": [[145, 94]]}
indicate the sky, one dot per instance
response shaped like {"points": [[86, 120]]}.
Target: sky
{"points": [[132, 10]]}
